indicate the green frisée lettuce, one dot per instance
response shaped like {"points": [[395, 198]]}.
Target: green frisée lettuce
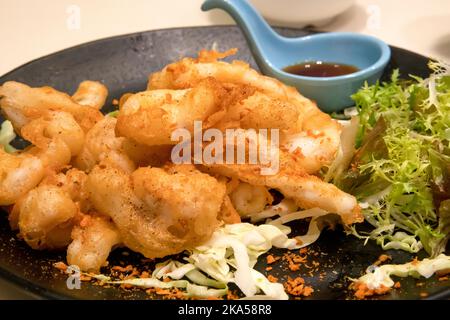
{"points": [[6, 136], [113, 114], [346, 150], [401, 170]]}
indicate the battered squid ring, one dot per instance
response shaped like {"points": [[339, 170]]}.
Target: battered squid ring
{"points": [[93, 239], [314, 138], [293, 182], [55, 125], [18, 175], [20, 104], [158, 213], [150, 117], [101, 144], [57, 137], [45, 216], [91, 93], [248, 199]]}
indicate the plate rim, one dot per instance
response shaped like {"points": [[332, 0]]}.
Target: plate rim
{"points": [[131, 34]]}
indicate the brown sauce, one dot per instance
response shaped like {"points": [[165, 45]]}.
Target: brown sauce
{"points": [[320, 69]]}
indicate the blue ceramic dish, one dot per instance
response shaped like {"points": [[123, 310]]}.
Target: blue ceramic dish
{"points": [[273, 52]]}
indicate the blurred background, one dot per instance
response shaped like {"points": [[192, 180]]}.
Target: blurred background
{"points": [[31, 29]]}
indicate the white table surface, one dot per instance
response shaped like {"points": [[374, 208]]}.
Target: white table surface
{"points": [[31, 29]]}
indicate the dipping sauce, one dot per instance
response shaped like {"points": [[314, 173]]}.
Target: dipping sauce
{"points": [[320, 69]]}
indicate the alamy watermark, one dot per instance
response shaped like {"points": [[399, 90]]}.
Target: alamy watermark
{"points": [[233, 146], [73, 21], [74, 279], [374, 17]]}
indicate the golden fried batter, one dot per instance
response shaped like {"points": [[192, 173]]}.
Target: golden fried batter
{"points": [[156, 212], [150, 117], [21, 103], [91, 93], [46, 216], [101, 144], [56, 138], [293, 181], [311, 135], [123, 189], [93, 238]]}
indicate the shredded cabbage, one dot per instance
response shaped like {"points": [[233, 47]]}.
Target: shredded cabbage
{"points": [[229, 257], [232, 252], [6, 136], [192, 290], [376, 277], [345, 152]]}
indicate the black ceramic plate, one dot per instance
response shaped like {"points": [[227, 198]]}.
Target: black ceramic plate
{"points": [[123, 64]]}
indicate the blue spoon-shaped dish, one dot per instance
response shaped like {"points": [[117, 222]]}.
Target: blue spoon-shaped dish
{"points": [[273, 52]]}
